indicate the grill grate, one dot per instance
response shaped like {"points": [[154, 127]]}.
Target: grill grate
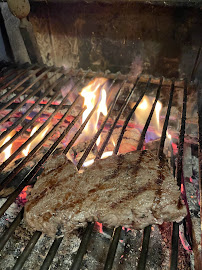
{"points": [[32, 75]]}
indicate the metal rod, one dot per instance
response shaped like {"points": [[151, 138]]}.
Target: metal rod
{"points": [[112, 249], [12, 174], [6, 235], [87, 234], [16, 87], [5, 118], [165, 126], [113, 246], [200, 155], [51, 253], [13, 80], [83, 247], [174, 245], [145, 247], [116, 149], [5, 163], [116, 120], [26, 126], [144, 131], [175, 233], [20, 120], [28, 249], [147, 230], [36, 168]]}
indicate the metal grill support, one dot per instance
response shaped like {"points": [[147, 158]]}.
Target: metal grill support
{"points": [[18, 77]]}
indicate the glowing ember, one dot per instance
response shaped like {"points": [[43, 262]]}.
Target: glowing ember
{"points": [[94, 92], [22, 198]]}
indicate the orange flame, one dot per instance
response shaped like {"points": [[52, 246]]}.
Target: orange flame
{"points": [[7, 151], [91, 161], [143, 110], [36, 140], [94, 92], [26, 150]]}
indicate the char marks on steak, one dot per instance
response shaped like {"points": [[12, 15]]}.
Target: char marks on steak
{"points": [[131, 190]]}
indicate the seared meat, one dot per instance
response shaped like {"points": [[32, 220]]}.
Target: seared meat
{"points": [[131, 190]]}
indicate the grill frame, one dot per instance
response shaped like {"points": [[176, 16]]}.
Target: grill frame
{"points": [[82, 75]]}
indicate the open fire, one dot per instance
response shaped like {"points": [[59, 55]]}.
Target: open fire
{"points": [[96, 93]]}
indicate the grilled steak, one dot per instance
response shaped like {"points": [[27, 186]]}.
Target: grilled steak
{"points": [[131, 190]]}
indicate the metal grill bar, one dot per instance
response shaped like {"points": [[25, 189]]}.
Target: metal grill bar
{"points": [[22, 92], [19, 121], [6, 235], [200, 157], [36, 168], [4, 119], [51, 254], [102, 148], [3, 147], [147, 230], [21, 260], [114, 243], [5, 163], [13, 80], [26, 180], [12, 174], [175, 233]]}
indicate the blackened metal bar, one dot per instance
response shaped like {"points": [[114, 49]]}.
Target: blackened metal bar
{"points": [[5, 163], [147, 230], [5, 118], [112, 248], [165, 126], [109, 261], [13, 80], [116, 149], [33, 72], [51, 254], [93, 141], [20, 120], [12, 174], [36, 168], [200, 153], [28, 249], [78, 133], [26, 126], [144, 131], [175, 233], [4, 77], [116, 120], [145, 247], [4, 106], [196, 63], [6, 235], [115, 239], [82, 248], [174, 246], [86, 237], [181, 137]]}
